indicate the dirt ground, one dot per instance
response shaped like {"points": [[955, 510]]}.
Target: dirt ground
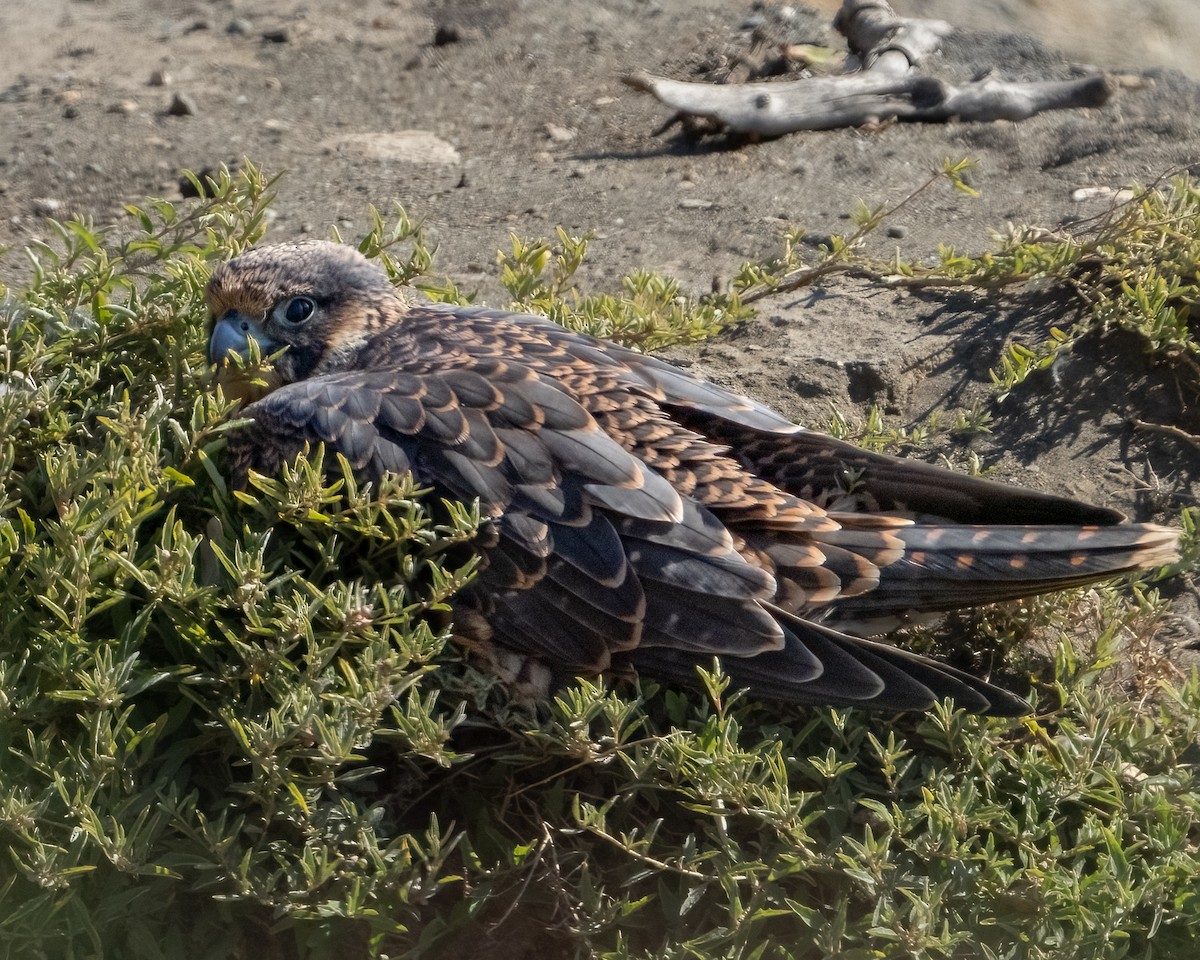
{"points": [[499, 116]]}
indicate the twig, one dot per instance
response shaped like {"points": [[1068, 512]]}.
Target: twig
{"points": [[886, 52], [644, 858], [1168, 430]]}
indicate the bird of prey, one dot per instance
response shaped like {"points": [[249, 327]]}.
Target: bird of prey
{"points": [[638, 516]]}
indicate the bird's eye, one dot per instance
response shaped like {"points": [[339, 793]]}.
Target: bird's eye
{"points": [[299, 309]]}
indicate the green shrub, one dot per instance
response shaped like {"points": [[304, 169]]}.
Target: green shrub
{"points": [[231, 727]]}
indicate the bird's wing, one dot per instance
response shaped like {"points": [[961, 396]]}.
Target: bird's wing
{"points": [[844, 478], [840, 476], [809, 465], [594, 551]]}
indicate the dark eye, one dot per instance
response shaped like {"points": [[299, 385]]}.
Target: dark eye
{"points": [[299, 309]]}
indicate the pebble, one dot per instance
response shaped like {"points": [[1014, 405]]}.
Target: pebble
{"points": [[240, 27], [897, 232], [182, 105], [70, 112], [46, 206], [158, 78], [123, 106], [417, 147], [1101, 193], [695, 203], [445, 34], [559, 134], [281, 34]]}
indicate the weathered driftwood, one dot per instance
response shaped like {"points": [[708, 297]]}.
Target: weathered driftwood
{"points": [[885, 51]]}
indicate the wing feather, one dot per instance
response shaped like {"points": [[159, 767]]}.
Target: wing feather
{"points": [[585, 530]]}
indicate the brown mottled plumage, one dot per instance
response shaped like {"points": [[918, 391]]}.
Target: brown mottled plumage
{"points": [[641, 516]]}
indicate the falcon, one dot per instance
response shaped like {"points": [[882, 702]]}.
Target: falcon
{"points": [[636, 516]]}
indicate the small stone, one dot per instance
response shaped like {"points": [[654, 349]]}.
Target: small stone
{"points": [[239, 27], [603, 101], [417, 147], [70, 112], [695, 203], [1102, 193], [123, 106], [897, 232], [182, 105], [276, 126], [70, 96], [282, 34], [16, 93], [559, 134], [274, 84], [158, 78], [445, 34], [46, 206]]}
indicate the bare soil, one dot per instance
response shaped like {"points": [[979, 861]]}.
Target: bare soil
{"points": [[507, 116]]}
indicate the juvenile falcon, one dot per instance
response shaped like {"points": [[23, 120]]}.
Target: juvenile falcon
{"points": [[640, 516]]}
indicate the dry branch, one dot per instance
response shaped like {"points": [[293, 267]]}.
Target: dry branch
{"points": [[885, 51]]}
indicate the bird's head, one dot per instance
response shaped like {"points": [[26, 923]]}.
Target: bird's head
{"points": [[306, 306]]}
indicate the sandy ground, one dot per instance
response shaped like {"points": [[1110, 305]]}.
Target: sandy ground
{"points": [[521, 124]]}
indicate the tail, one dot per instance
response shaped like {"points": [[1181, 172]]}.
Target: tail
{"points": [[942, 568], [819, 666], [939, 568]]}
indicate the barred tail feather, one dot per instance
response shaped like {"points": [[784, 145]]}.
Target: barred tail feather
{"points": [[946, 567]]}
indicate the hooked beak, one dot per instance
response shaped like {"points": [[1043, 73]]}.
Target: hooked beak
{"points": [[232, 333]]}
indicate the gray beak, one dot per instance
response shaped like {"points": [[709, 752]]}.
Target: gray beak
{"points": [[232, 333]]}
